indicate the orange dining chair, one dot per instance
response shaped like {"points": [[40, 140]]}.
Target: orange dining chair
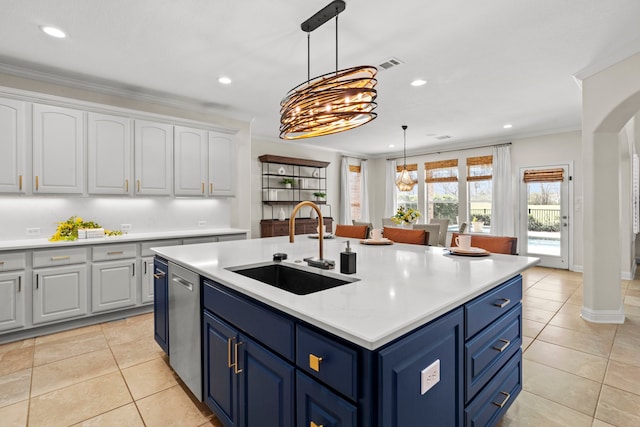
{"points": [[353, 231], [493, 244], [401, 235]]}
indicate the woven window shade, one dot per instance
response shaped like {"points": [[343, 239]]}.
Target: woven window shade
{"points": [[477, 165], [441, 171], [544, 175], [354, 168], [410, 168]]}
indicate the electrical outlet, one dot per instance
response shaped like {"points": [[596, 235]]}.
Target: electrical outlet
{"points": [[202, 223], [125, 227], [33, 231], [429, 376]]}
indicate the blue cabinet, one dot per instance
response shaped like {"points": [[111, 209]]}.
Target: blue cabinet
{"points": [[405, 402], [319, 406], [160, 303]]}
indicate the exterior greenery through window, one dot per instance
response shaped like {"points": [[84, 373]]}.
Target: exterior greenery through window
{"points": [[441, 189], [408, 199], [354, 191], [479, 181]]}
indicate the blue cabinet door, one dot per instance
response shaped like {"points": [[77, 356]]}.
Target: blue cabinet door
{"points": [[266, 387], [401, 365], [220, 379], [160, 304], [317, 405]]}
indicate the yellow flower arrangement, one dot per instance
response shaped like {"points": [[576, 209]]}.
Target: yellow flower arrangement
{"points": [[68, 230], [407, 215]]}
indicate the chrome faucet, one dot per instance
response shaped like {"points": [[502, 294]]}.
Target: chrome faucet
{"points": [[319, 262]]}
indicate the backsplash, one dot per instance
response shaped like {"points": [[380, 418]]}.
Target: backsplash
{"points": [[17, 214]]}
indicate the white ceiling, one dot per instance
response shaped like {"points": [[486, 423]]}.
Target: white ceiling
{"points": [[487, 63]]}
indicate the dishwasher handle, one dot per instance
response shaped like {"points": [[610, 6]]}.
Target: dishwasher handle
{"points": [[179, 280]]}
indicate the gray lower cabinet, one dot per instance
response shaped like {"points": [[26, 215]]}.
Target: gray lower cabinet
{"points": [[147, 279], [113, 285], [59, 293], [12, 300]]}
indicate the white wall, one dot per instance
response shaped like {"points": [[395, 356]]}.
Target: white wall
{"points": [[291, 149], [144, 213]]}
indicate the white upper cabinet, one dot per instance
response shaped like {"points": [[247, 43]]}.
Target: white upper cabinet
{"points": [[58, 141], [222, 164], [12, 144], [190, 161], [153, 158], [110, 153]]}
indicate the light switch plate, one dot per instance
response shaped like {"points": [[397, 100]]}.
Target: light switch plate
{"points": [[429, 376]]}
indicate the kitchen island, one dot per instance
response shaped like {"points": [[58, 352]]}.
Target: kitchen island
{"points": [[421, 338]]}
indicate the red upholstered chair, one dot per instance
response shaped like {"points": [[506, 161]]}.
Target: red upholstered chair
{"points": [[354, 231], [401, 235], [493, 244]]}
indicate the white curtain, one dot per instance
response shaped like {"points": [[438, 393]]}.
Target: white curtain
{"points": [[344, 213], [364, 192], [502, 208], [391, 191]]}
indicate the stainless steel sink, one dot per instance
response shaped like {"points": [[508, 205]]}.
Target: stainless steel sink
{"points": [[292, 279]]}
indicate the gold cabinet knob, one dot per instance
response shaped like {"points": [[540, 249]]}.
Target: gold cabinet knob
{"points": [[314, 362]]}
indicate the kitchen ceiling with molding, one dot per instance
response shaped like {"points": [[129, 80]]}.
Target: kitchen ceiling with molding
{"points": [[486, 63]]}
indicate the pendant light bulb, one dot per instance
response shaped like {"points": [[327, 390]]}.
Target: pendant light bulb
{"points": [[404, 181]]}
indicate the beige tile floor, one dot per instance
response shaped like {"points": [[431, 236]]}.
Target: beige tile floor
{"points": [[113, 374]]}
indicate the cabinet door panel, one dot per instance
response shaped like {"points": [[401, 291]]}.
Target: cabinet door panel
{"points": [[153, 158], [12, 144], [220, 382], [401, 364], [319, 405], [59, 293], [109, 154], [147, 280], [11, 300], [266, 387], [221, 164], [160, 304], [190, 161], [113, 285], [58, 141]]}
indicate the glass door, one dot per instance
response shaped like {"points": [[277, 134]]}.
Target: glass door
{"points": [[544, 220]]}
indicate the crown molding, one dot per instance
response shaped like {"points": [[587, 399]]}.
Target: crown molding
{"points": [[620, 55]]}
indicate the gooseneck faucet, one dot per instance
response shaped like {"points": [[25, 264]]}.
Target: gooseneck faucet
{"points": [[314, 262]]}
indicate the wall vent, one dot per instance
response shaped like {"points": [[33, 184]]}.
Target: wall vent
{"points": [[390, 63], [441, 137]]}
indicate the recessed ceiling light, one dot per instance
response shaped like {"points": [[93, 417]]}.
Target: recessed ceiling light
{"points": [[508, 126], [418, 82], [391, 145], [224, 80], [54, 32]]}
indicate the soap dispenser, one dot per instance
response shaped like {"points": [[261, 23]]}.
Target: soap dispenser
{"points": [[347, 261]]}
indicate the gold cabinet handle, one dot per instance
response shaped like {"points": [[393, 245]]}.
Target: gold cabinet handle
{"points": [[138, 186], [203, 188], [115, 253], [159, 275], [506, 395], [60, 258], [36, 182], [1, 263], [314, 362], [126, 185], [210, 187], [312, 424], [20, 179], [504, 303], [235, 363], [229, 341], [504, 347]]}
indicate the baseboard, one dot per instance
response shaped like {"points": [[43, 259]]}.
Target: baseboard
{"points": [[603, 316], [577, 268], [624, 275]]}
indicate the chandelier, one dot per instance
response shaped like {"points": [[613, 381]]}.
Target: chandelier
{"points": [[330, 103], [404, 181]]}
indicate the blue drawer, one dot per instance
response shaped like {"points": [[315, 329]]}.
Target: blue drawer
{"points": [[491, 404], [488, 351], [482, 311], [338, 366], [272, 329], [319, 405]]}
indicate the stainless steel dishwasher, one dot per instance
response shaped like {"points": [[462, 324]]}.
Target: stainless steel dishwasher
{"points": [[185, 355]]}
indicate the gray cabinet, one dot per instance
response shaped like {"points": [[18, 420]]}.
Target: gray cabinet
{"points": [[12, 300], [59, 293], [113, 282], [109, 153], [147, 284], [12, 146], [222, 165], [153, 144], [190, 156]]}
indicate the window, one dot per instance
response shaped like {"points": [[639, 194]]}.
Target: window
{"points": [[441, 189], [408, 199], [479, 181], [354, 191]]}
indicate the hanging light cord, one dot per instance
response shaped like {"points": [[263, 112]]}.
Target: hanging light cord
{"points": [[308, 57], [404, 128], [337, 13]]}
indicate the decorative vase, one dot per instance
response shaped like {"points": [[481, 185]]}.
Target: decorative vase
{"points": [[477, 226], [287, 185], [312, 213], [281, 215]]}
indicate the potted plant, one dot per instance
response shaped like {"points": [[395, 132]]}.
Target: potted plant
{"points": [[319, 195], [405, 216], [288, 182], [477, 225]]}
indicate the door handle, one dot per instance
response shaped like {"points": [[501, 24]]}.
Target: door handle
{"points": [[36, 182], [60, 258], [115, 253], [504, 346], [159, 275], [504, 303], [179, 280], [126, 185], [20, 179], [19, 283], [506, 395]]}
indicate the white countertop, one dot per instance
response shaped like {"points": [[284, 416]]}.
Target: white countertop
{"points": [[402, 286], [25, 244]]}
